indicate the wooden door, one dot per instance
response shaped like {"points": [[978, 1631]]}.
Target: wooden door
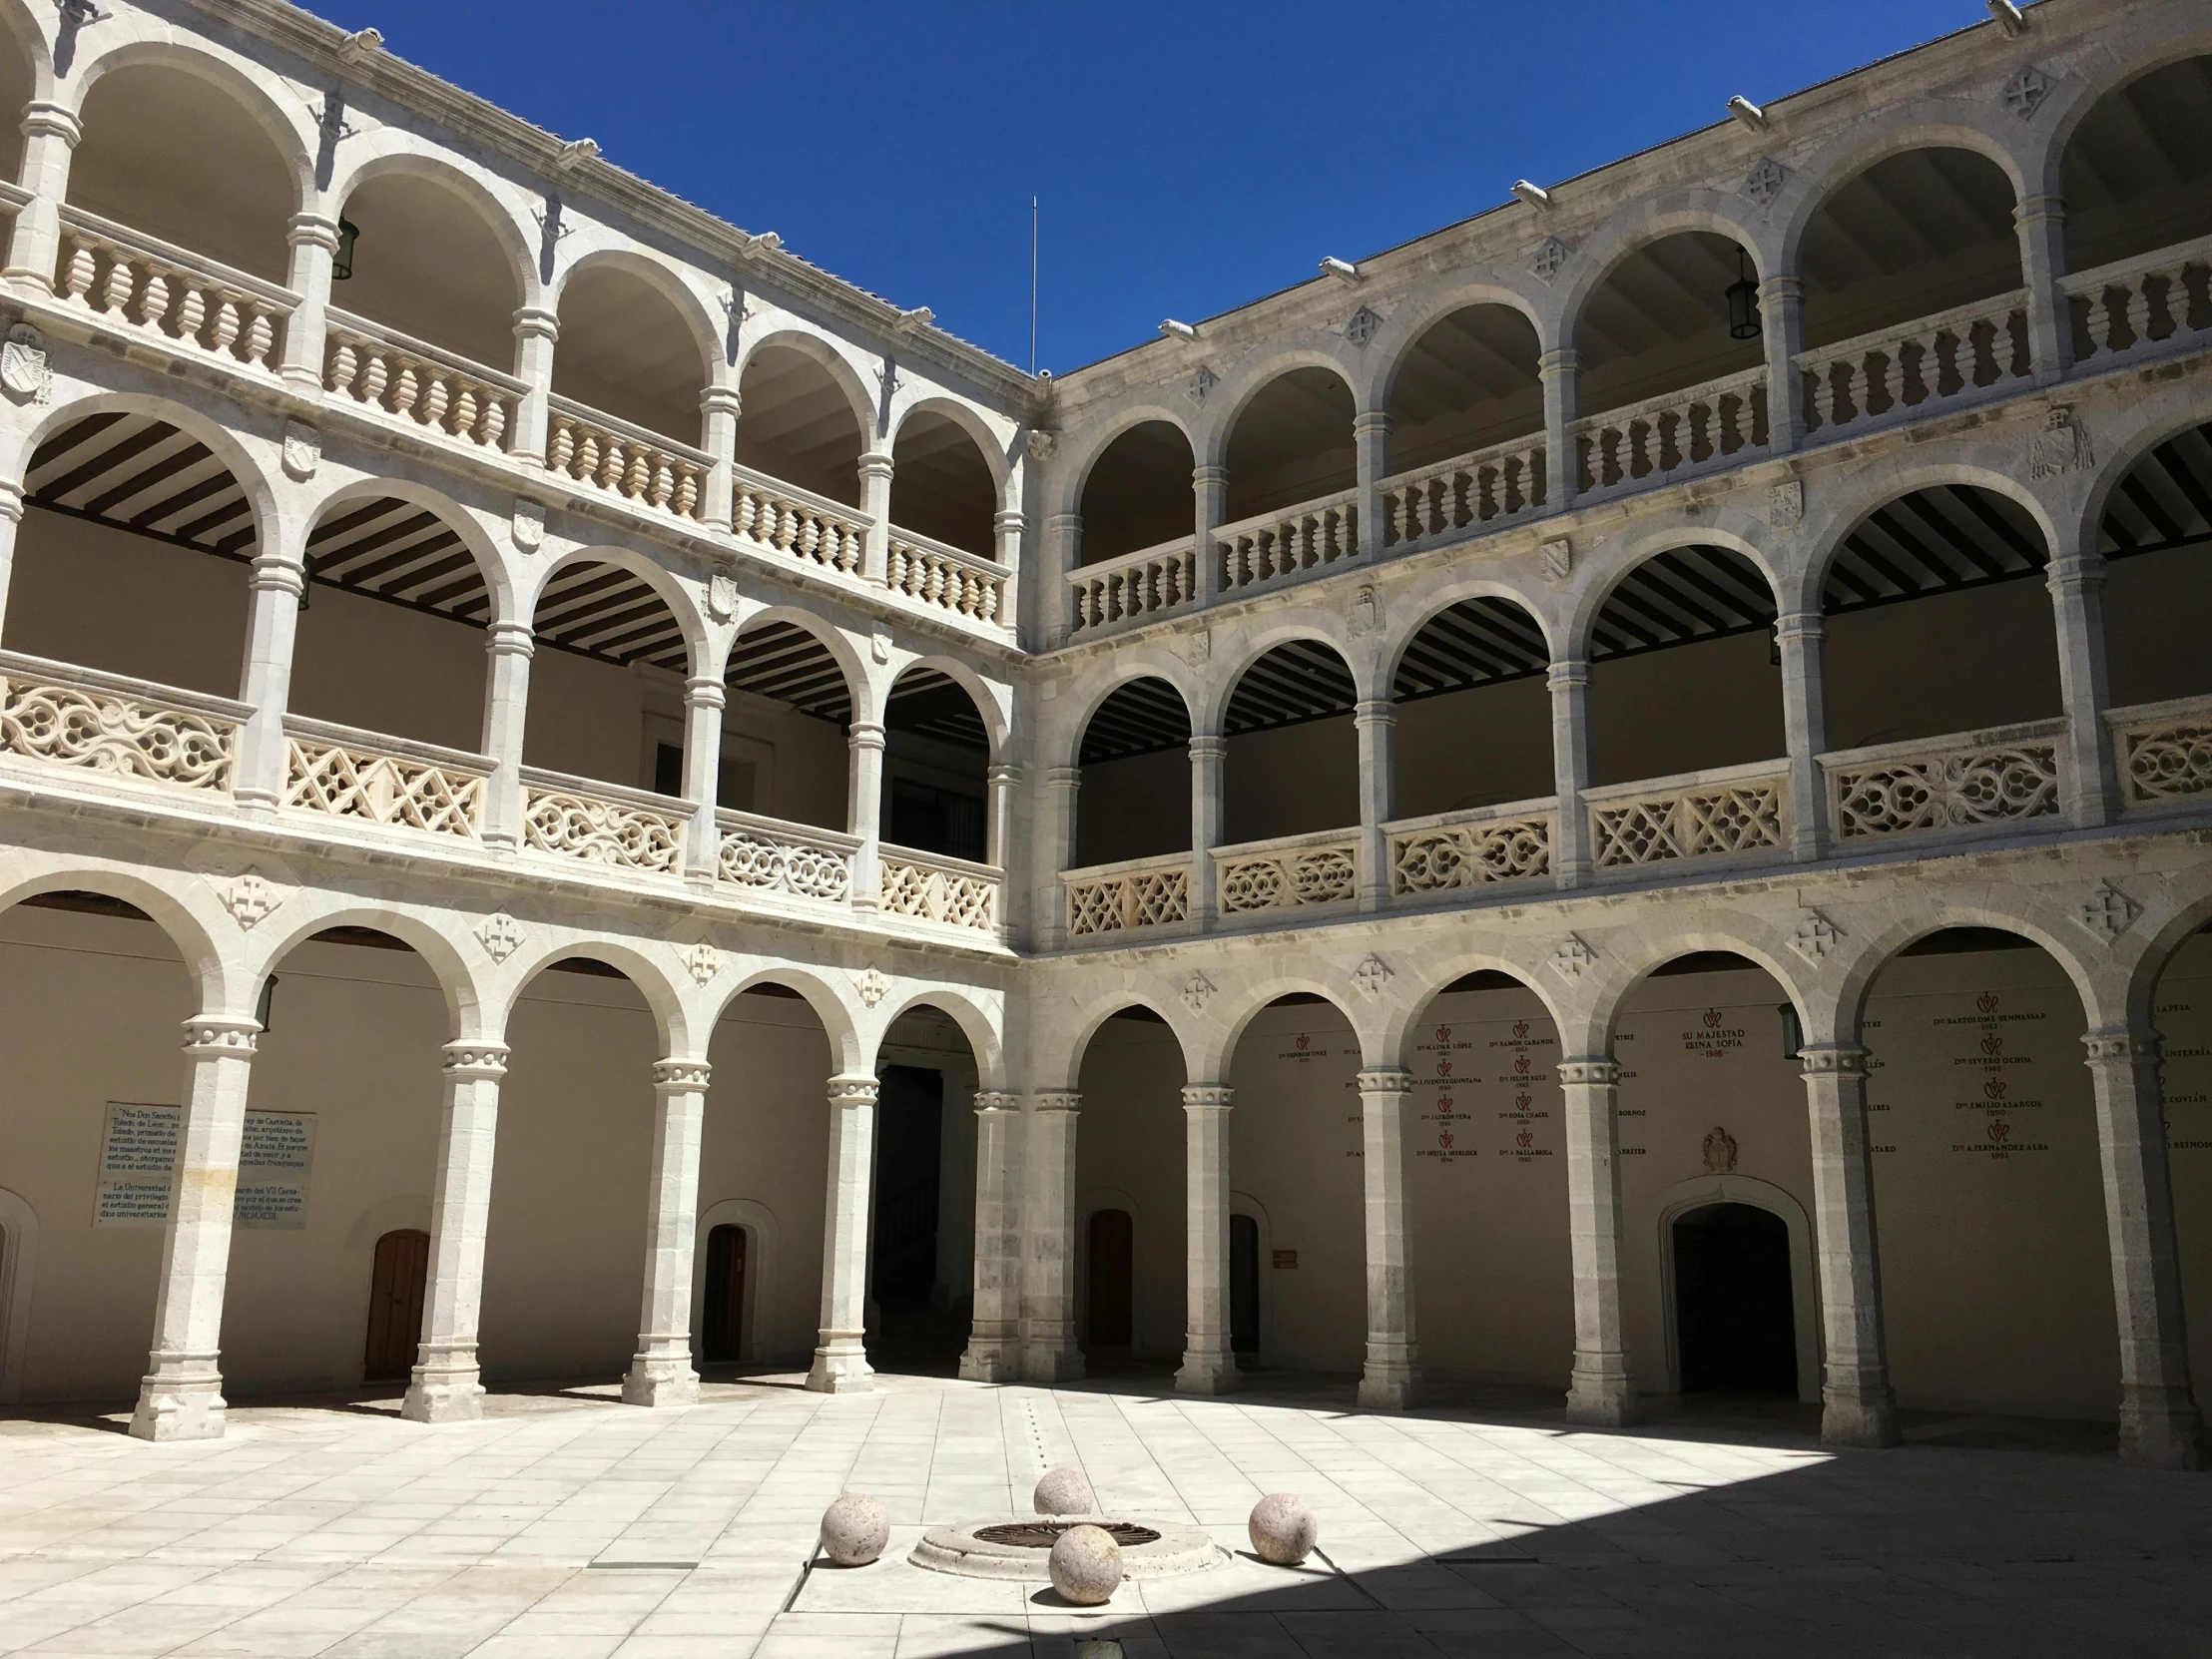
{"points": [[1112, 1280], [395, 1290], [721, 1326]]}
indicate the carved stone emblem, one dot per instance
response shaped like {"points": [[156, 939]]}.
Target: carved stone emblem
{"points": [[1815, 936], [1549, 257], [1367, 612], [880, 647], [704, 960], [2024, 91], [1558, 560], [722, 595], [1766, 180], [2109, 912], [1196, 989], [528, 528], [1786, 504], [1360, 326], [1198, 648], [249, 896], [1372, 975], [2061, 446], [500, 935], [24, 369], [871, 985], [1042, 445], [1572, 958], [1720, 1151], [1204, 381], [302, 451]]}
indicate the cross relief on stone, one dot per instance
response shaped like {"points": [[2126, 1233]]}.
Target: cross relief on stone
{"points": [[1372, 975], [2109, 912]]}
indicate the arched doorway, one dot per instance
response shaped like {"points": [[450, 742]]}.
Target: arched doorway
{"points": [[395, 1290], [722, 1316], [1244, 1285], [1110, 1302], [1734, 1323]]}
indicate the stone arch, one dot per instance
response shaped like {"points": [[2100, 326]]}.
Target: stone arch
{"points": [[1852, 153], [841, 1022], [482, 550], [1216, 1046], [1088, 696], [2103, 997], [1093, 1018], [1385, 353], [991, 445], [1619, 559], [18, 447], [222, 981], [1312, 439], [1214, 700], [668, 280], [763, 1246], [993, 701], [1633, 231], [22, 25], [1396, 1032], [676, 594], [681, 1035], [2088, 84], [2142, 427], [468, 1006], [1983, 466], [663, 354], [1083, 455], [977, 1022], [833, 357], [1626, 965], [1701, 1190]]}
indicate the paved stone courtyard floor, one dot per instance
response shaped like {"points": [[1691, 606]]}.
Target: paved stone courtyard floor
{"points": [[568, 1526]]}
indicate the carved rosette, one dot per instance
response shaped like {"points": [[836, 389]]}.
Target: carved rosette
{"points": [[1069, 1101], [681, 1076], [847, 1093], [476, 1062], [1395, 1081], [991, 1100], [1207, 1097], [1599, 1072]]}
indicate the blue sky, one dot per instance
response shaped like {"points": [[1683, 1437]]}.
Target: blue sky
{"points": [[1189, 156]]}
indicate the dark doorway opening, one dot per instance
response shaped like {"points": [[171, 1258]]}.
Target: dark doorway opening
{"points": [[1244, 1285], [722, 1321], [1735, 1327], [395, 1290], [909, 1125], [1112, 1300]]}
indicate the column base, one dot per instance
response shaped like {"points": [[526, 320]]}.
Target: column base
{"points": [[1207, 1372], [661, 1379], [2160, 1428], [841, 1368], [1395, 1388], [443, 1387], [1053, 1364], [180, 1400], [1601, 1398], [1858, 1417], [993, 1352]]}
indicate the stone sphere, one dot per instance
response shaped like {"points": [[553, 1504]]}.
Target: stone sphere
{"points": [[1064, 1492], [1283, 1529], [1086, 1566], [855, 1530]]}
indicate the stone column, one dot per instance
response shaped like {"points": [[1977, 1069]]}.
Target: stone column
{"points": [[1603, 1391], [1856, 1404], [537, 331], [1371, 443], [841, 1361], [50, 134], [1209, 1367], [1208, 751], [876, 504], [444, 1385], [2085, 771], [1374, 721], [11, 519], [719, 406], [1209, 497], [2159, 1423], [1049, 1351], [181, 1396], [273, 584], [313, 238], [1008, 525], [1064, 533], [704, 700], [865, 812], [1062, 785], [1392, 1378], [1560, 369], [1570, 768], [510, 646], [661, 1374], [1001, 787], [1781, 315], [1803, 635], [994, 1336], [2041, 224]]}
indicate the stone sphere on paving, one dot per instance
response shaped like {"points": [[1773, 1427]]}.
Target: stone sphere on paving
{"points": [[855, 1530], [1064, 1492], [1086, 1566], [1283, 1529]]}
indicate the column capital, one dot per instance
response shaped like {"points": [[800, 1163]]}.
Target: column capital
{"points": [[1207, 1097], [1833, 1060], [2084, 569], [1568, 673], [866, 734], [1375, 710], [1063, 778], [721, 400], [1384, 1080], [1368, 421], [1782, 288], [1801, 625], [676, 1076], [1600, 1071], [47, 120], [1009, 519], [11, 502], [222, 1036], [2044, 209], [1010, 771], [877, 463], [1557, 363], [510, 639], [705, 690], [847, 1090], [1059, 523], [2117, 1045], [278, 572], [1207, 746], [1068, 1101], [476, 1062], [1204, 478], [536, 323], [312, 230], [989, 1101]]}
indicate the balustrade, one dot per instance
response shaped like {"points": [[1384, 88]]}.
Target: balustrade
{"points": [[1272, 545], [765, 856], [1136, 892], [1675, 433], [2164, 751], [350, 774], [603, 453], [1929, 360], [108, 723], [1283, 874], [1426, 506], [931, 887], [1147, 583], [1699, 816], [934, 574], [414, 381], [601, 824], [2127, 307], [125, 277], [1473, 849], [791, 521], [1934, 786]]}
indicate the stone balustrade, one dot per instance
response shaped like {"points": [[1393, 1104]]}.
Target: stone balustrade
{"points": [[1428, 505], [136, 282], [345, 772], [1256, 551], [764, 854], [1475, 848], [1288, 873], [1133, 893], [944, 578], [927, 887], [612, 457], [1701, 815], [419, 384], [793, 523], [2133, 306], [1151, 582], [602, 824], [1977, 780], [1928, 361], [60, 714], [1682, 432], [2163, 752]]}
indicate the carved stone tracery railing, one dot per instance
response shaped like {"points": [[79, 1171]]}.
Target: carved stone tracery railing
{"points": [[765, 856], [931, 573], [1284, 875], [612, 456], [931, 887], [348, 774], [1929, 360], [1427, 506], [1706, 815], [1928, 787], [1455, 851], [2164, 751], [1150, 582], [1139, 892], [126, 277], [415, 381], [600, 824], [105, 723]]}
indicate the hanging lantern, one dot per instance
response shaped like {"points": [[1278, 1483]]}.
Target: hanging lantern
{"points": [[341, 263], [1743, 303]]}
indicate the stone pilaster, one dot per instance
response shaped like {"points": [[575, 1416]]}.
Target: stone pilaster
{"points": [[537, 332], [1801, 635], [1208, 753], [1602, 1393], [718, 408], [181, 1395], [840, 1358], [1856, 1405], [1064, 535], [1374, 721], [1560, 371], [1371, 443], [1209, 498], [864, 811], [1569, 681], [1062, 788], [994, 1338], [1209, 1367], [705, 697], [444, 1385], [50, 134], [2041, 224], [1049, 1351], [1782, 316], [313, 238], [876, 505], [1391, 1381], [2076, 584], [273, 584], [661, 1374], [510, 646]]}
